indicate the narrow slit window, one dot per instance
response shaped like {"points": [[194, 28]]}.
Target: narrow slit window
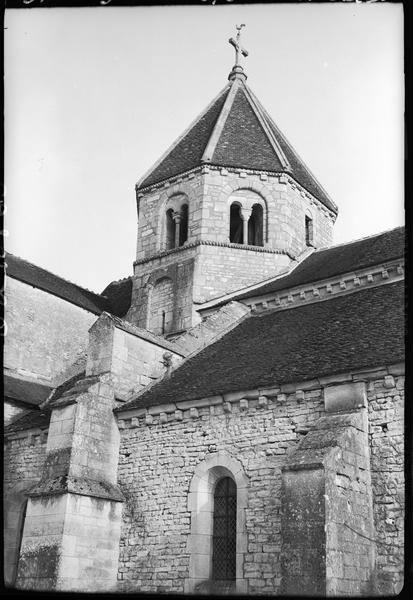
{"points": [[308, 231]]}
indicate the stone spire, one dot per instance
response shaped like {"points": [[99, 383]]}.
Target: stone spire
{"points": [[237, 70]]}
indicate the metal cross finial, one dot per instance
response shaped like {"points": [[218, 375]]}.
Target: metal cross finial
{"points": [[236, 43]]}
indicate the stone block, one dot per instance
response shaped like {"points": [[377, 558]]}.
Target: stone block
{"points": [[193, 413], [243, 404], [300, 396], [389, 381], [263, 401], [345, 396]]}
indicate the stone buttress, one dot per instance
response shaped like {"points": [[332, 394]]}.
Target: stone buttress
{"points": [[327, 523], [71, 532]]}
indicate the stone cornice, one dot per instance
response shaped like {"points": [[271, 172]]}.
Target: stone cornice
{"points": [[82, 486], [33, 434], [203, 169], [325, 289], [255, 399], [163, 253]]}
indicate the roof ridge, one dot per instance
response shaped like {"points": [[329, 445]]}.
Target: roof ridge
{"points": [[84, 289], [220, 122], [258, 109], [145, 176], [288, 143]]}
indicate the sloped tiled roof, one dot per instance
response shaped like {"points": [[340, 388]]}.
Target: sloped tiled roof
{"points": [[30, 420], [245, 137], [23, 270], [117, 302], [359, 330], [119, 295], [243, 142], [188, 153], [336, 260], [24, 390]]}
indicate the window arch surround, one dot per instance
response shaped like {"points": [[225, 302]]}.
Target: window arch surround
{"points": [[174, 219], [251, 205], [201, 507]]}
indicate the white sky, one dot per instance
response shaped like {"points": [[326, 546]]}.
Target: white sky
{"points": [[95, 95]]}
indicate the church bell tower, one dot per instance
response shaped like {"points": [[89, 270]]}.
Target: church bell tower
{"points": [[228, 205]]}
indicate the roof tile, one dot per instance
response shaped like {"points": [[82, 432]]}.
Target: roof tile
{"points": [[359, 330], [336, 260], [242, 143]]}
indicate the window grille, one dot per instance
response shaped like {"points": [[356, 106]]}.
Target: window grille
{"points": [[224, 532]]}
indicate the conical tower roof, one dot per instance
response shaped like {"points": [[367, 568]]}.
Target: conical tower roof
{"points": [[235, 131]]}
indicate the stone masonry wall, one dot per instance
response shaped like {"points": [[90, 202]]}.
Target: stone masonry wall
{"points": [[214, 270], [159, 455], [178, 267], [156, 466], [286, 209], [220, 270], [220, 267], [46, 336], [24, 458], [152, 208], [386, 410], [208, 194], [133, 361]]}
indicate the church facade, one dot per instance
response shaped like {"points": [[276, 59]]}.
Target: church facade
{"points": [[230, 418]]}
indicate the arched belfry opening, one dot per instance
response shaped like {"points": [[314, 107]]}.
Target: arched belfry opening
{"points": [[183, 229], [255, 226], [170, 230], [236, 224], [175, 229], [247, 218]]}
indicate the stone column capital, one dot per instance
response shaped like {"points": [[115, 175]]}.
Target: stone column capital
{"points": [[177, 216], [245, 213]]}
